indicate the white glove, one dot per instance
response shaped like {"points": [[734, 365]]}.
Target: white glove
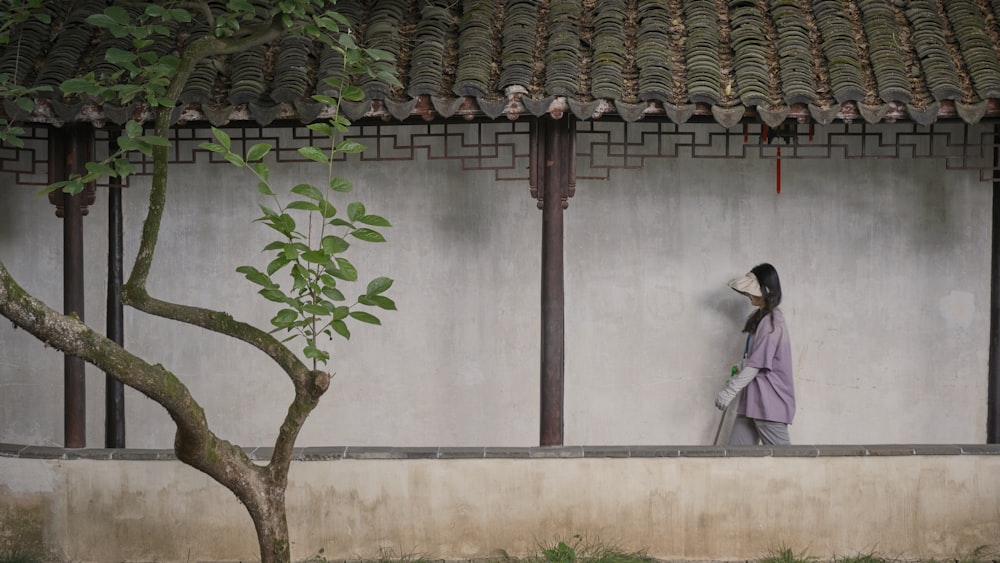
{"points": [[736, 384]]}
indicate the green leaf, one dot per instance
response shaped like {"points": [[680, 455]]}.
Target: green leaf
{"points": [[314, 353], [285, 316], [352, 93], [309, 191], [261, 170], [341, 328], [258, 151], [13, 139], [213, 147], [118, 15], [155, 140], [355, 210], [235, 159], [340, 223], [79, 86], [303, 205], [334, 82], [129, 91], [333, 293], [348, 146], [26, 104], [340, 185], [126, 144], [378, 285], [383, 302], [100, 168], [255, 276], [268, 212], [341, 313], [328, 100], [365, 317], [277, 264], [124, 168], [347, 270], [285, 224], [339, 18], [380, 55], [340, 123], [368, 235], [317, 257], [263, 188], [100, 20], [224, 139], [119, 56], [313, 153], [272, 294], [326, 209], [315, 310], [332, 244], [323, 128], [374, 220], [300, 272], [180, 15], [133, 129]]}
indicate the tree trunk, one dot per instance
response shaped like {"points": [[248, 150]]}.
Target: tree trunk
{"points": [[271, 524]]}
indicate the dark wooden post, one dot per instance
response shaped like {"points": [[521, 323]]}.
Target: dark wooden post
{"points": [[114, 391], [552, 144], [993, 385], [69, 149]]}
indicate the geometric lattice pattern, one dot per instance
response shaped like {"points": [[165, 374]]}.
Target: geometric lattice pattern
{"points": [[602, 146]]}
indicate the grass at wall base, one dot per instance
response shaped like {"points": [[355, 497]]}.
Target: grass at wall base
{"points": [[579, 549]]}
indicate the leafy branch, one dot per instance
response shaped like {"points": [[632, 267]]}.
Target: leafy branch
{"points": [[314, 304]]}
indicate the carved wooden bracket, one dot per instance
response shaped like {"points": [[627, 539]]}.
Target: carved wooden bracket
{"points": [[88, 197]]}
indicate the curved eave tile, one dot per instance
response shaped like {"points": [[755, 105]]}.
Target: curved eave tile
{"points": [[818, 60]]}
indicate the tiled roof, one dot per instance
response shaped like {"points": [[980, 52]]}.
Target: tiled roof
{"points": [[809, 59]]}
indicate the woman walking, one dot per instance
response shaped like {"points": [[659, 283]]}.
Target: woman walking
{"points": [[767, 401]]}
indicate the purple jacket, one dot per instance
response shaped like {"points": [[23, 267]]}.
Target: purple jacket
{"points": [[771, 395]]}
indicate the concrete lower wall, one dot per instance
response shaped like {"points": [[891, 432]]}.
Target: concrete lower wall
{"points": [[683, 503]]}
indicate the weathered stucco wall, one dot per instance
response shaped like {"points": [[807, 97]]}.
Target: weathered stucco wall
{"points": [[819, 503], [885, 266]]}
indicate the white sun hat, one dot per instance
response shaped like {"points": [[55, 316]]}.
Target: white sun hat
{"points": [[747, 285]]}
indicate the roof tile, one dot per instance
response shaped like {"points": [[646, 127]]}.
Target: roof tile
{"points": [[846, 59]]}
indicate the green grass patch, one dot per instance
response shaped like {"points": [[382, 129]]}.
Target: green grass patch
{"points": [[12, 555], [580, 549]]}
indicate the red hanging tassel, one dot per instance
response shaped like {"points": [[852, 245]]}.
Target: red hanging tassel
{"points": [[777, 170]]}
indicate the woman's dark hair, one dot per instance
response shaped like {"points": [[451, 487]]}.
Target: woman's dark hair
{"points": [[770, 286]]}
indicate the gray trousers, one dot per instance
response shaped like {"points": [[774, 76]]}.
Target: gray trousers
{"points": [[753, 431]]}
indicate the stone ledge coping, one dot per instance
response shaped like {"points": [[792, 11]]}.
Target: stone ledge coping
{"points": [[328, 453]]}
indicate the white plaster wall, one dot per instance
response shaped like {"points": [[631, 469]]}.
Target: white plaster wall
{"points": [[31, 374], [885, 275], [885, 266]]}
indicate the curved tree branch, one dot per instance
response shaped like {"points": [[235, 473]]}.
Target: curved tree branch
{"points": [[195, 443], [134, 292]]}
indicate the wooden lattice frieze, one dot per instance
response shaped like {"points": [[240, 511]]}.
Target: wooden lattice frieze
{"points": [[606, 146], [29, 164], [499, 147], [602, 146]]}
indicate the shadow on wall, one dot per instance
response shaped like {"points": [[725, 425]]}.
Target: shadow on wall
{"points": [[729, 305]]}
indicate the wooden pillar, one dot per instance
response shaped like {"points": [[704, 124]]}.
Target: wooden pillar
{"points": [[552, 184], [114, 390], [69, 150], [993, 386]]}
